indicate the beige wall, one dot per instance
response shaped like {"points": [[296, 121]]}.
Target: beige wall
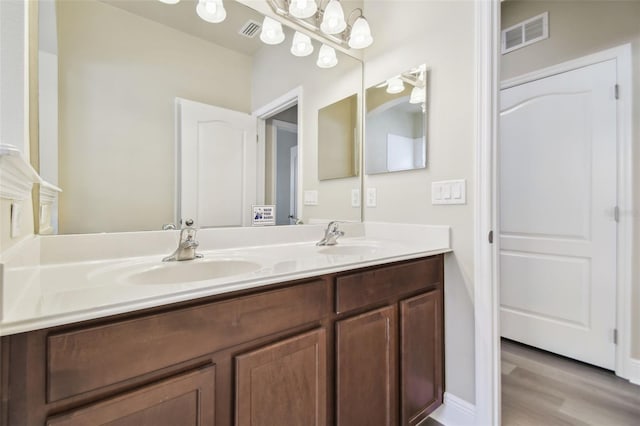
{"points": [[119, 75], [441, 35], [337, 124], [276, 72], [577, 29]]}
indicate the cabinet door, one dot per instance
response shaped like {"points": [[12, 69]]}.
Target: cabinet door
{"points": [[421, 363], [185, 400], [284, 383], [366, 369]]}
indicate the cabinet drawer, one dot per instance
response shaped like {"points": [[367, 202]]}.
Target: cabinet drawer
{"points": [[91, 358], [186, 400], [365, 288]]}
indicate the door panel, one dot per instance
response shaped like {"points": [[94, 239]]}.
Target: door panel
{"points": [[366, 369], [284, 383], [217, 164], [557, 195], [186, 400]]}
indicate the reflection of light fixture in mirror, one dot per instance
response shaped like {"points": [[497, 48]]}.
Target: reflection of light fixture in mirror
{"points": [[301, 45], [271, 31], [328, 22], [170, 1], [327, 57], [418, 95], [360, 36], [333, 18], [303, 8], [395, 85], [211, 10]]}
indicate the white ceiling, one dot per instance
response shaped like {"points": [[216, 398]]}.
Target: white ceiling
{"points": [[183, 17]]}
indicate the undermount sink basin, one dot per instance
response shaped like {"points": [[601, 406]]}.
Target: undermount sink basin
{"points": [[349, 250], [189, 271]]}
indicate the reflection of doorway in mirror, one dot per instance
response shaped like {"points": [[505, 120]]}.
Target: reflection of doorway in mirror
{"points": [[282, 144]]}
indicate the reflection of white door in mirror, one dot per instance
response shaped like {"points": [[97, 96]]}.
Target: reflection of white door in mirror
{"points": [[293, 187], [284, 180], [216, 163]]}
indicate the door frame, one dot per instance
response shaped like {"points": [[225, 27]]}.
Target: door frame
{"points": [[279, 104], [622, 56], [486, 266]]}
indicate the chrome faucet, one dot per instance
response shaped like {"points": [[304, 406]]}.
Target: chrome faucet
{"points": [[331, 235], [187, 244]]}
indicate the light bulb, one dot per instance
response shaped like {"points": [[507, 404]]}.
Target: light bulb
{"points": [[301, 45], [211, 10], [418, 95], [395, 85], [360, 36], [327, 57], [169, 1], [303, 8], [271, 31], [333, 19]]}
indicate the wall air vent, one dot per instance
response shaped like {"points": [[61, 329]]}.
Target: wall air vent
{"points": [[250, 29], [525, 33]]}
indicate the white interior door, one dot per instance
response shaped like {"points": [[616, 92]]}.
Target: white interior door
{"points": [[557, 198], [217, 164], [293, 186]]}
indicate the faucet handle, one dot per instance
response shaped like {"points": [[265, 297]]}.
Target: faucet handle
{"points": [[188, 223]]}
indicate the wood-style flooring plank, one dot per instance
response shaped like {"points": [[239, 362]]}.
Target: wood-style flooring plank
{"points": [[540, 388]]}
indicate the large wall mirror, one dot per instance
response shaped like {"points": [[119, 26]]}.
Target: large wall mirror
{"points": [[132, 92], [396, 123]]}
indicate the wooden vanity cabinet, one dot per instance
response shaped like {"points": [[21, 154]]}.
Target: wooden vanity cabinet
{"points": [[362, 347]]}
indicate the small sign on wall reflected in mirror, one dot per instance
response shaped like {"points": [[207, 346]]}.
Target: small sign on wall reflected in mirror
{"points": [[263, 215]]}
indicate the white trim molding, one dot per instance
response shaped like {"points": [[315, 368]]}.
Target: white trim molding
{"points": [[455, 412], [16, 174], [622, 55], [486, 287], [634, 371]]}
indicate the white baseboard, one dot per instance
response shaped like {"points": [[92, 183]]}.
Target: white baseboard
{"points": [[634, 371], [455, 412]]}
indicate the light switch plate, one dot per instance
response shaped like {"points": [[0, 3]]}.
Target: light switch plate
{"points": [[311, 198], [16, 216], [449, 192], [372, 197], [355, 197]]}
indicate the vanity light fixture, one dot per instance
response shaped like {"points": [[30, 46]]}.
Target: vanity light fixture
{"points": [[301, 45], [395, 85], [271, 31], [211, 10], [303, 8], [419, 91], [170, 1], [327, 57], [327, 20]]}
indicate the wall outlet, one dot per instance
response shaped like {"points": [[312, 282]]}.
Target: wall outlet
{"points": [[355, 197], [449, 192], [372, 197], [16, 218], [311, 198]]}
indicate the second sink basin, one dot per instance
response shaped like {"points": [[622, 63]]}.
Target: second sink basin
{"points": [[187, 271]]}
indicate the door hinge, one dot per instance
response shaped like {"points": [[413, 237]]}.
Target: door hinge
{"points": [[615, 336], [616, 214], [616, 91], [490, 237]]}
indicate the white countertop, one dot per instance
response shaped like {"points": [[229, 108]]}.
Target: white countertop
{"points": [[39, 294]]}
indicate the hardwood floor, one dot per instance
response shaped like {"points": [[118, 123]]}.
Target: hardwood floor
{"points": [[543, 389]]}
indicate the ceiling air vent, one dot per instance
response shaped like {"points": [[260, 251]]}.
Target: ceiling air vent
{"points": [[525, 33], [250, 29]]}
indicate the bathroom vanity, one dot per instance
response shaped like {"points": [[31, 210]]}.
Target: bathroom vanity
{"points": [[360, 346]]}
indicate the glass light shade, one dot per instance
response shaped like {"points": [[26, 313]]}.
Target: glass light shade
{"points": [[327, 57], [211, 11], [303, 8], [395, 85], [418, 95], [333, 19], [360, 36], [169, 1], [271, 31], [301, 45]]}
